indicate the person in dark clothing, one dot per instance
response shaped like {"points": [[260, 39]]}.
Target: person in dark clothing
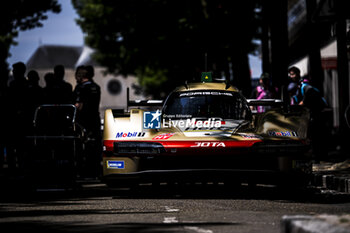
{"points": [[91, 71], [310, 97], [18, 91], [35, 92], [18, 115], [294, 78], [303, 93], [87, 100], [49, 91], [49, 79], [19, 81], [63, 89], [33, 78]]}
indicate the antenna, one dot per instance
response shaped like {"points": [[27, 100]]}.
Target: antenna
{"points": [[186, 86], [206, 61]]}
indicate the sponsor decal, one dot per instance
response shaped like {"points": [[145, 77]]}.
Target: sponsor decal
{"points": [[130, 134], [189, 124], [195, 93], [250, 136], [113, 164], [177, 116], [283, 134], [209, 144], [151, 120], [163, 136]]}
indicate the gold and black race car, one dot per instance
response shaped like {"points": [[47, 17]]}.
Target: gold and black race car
{"points": [[206, 131]]}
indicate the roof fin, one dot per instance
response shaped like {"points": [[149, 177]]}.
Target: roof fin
{"points": [[228, 84]]}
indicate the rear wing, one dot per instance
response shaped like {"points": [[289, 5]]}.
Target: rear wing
{"points": [[142, 103], [265, 102]]}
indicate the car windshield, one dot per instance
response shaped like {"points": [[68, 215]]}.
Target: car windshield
{"points": [[206, 104]]}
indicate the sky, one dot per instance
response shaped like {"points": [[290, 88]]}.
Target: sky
{"points": [[58, 29], [61, 29]]}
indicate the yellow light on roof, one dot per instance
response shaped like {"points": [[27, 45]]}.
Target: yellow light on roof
{"points": [[207, 76]]}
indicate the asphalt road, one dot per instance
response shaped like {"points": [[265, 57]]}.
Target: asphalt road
{"points": [[195, 208]]}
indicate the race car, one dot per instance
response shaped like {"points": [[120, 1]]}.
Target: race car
{"points": [[206, 131]]}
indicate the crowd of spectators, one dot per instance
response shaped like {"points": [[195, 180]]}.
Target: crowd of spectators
{"points": [[24, 95]]}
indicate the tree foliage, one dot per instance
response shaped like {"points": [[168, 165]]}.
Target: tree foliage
{"points": [[164, 42], [20, 15]]}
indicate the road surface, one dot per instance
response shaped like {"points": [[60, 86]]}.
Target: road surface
{"points": [[192, 208]]}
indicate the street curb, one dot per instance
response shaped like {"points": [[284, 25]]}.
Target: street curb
{"points": [[315, 224]]}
